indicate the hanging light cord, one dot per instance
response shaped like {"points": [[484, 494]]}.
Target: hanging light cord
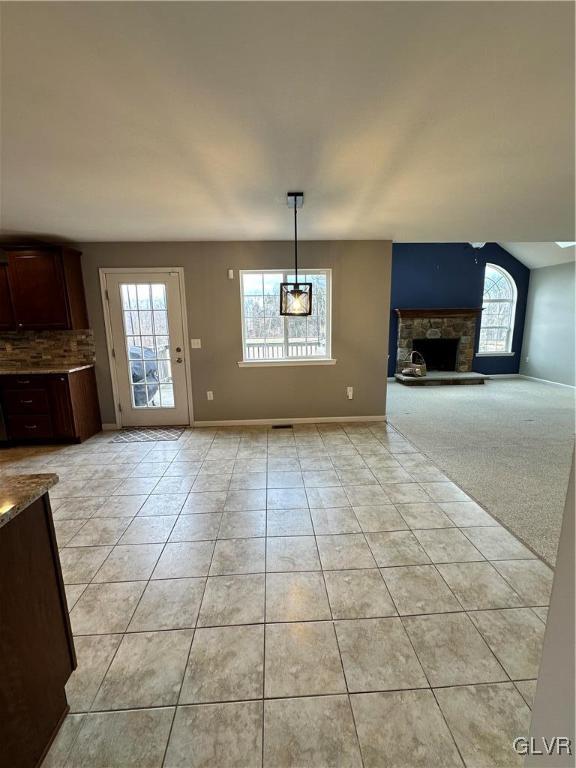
{"points": [[296, 241]]}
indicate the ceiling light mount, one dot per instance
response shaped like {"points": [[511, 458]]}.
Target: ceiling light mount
{"points": [[295, 199], [296, 297]]}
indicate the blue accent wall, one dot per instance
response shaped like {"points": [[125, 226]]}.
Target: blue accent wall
{"points": [[436, 275]]}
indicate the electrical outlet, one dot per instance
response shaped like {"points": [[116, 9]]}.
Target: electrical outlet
{"points": [[209, 395], [350, 393], [196, 343]]}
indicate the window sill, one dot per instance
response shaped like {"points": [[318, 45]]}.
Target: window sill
{"points": [[280, 363], [494, 354]]}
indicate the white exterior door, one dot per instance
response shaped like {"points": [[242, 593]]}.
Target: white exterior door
{"points": [[148, 349]]}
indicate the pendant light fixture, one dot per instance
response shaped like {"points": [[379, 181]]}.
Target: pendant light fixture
{"points": [[296, 297]]}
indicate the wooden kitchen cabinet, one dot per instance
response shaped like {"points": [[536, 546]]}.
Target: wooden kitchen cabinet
{"points": [[36, 646], [6, 313], [50, 406], [43, 289]]}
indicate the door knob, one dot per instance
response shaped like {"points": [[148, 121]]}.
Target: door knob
{"points": [[178, 349], [178, 359]]}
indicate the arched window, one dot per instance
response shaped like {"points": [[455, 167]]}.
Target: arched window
{"points": [[498, 311]]}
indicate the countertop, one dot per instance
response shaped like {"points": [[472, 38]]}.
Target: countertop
{"points": [[19, 491], [43, 370]]}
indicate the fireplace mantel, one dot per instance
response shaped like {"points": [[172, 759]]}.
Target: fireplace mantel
{"points": [[442, 312]]}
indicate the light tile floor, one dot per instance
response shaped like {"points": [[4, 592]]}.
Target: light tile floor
{"points": [[316, 596]]}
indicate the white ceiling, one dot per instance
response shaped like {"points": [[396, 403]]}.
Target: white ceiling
{"points": [[173, 121], [536, 255]]}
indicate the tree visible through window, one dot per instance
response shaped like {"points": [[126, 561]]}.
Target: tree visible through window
{"points": [[269, 336], [498, 311]]}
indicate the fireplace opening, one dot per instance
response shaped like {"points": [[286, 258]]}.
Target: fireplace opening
{"points": [[439, 354]]}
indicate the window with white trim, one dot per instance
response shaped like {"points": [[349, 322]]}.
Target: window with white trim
{"points": [[266, 335], [498, 311]]}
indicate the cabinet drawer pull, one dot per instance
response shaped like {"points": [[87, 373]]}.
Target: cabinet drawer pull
{"points": [[26, 402], [23, 381], [30, 426]]}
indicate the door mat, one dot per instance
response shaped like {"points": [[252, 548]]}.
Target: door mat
{"points": [[147, 434]]}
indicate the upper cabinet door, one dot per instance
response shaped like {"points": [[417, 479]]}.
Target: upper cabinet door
{"points": [[6, 313], [38, 289]]}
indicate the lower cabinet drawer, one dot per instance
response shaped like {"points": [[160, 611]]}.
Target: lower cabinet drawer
{"points": [[24, 401], [28, 427], [22, 381]]}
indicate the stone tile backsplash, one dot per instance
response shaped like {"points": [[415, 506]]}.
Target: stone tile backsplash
{"points": [[46, 348]]}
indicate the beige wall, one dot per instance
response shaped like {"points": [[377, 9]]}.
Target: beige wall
{"points": [[360, 317], [553, 712]]}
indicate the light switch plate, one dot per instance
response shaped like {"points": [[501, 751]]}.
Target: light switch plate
{"points": [[196, 343]]}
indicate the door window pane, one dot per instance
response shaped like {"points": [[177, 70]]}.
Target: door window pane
{"points": [[147, 338], [167, 395], [144, 301], [162, 348], [133, 343], [161, 322], [129, 297], [153, 397], [164, 371], [139, 395], [158, 296], [145, 318], [151, 370], [131, 322], [137, 371]]}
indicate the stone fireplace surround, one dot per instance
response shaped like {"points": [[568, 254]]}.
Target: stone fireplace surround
{"points": [[445, 323]]}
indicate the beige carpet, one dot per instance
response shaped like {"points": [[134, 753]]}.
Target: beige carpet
{"points": [[508, 443]]}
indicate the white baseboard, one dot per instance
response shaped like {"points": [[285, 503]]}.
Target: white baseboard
{"points": [[109, 426], [299, 420], [546, 381]]}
